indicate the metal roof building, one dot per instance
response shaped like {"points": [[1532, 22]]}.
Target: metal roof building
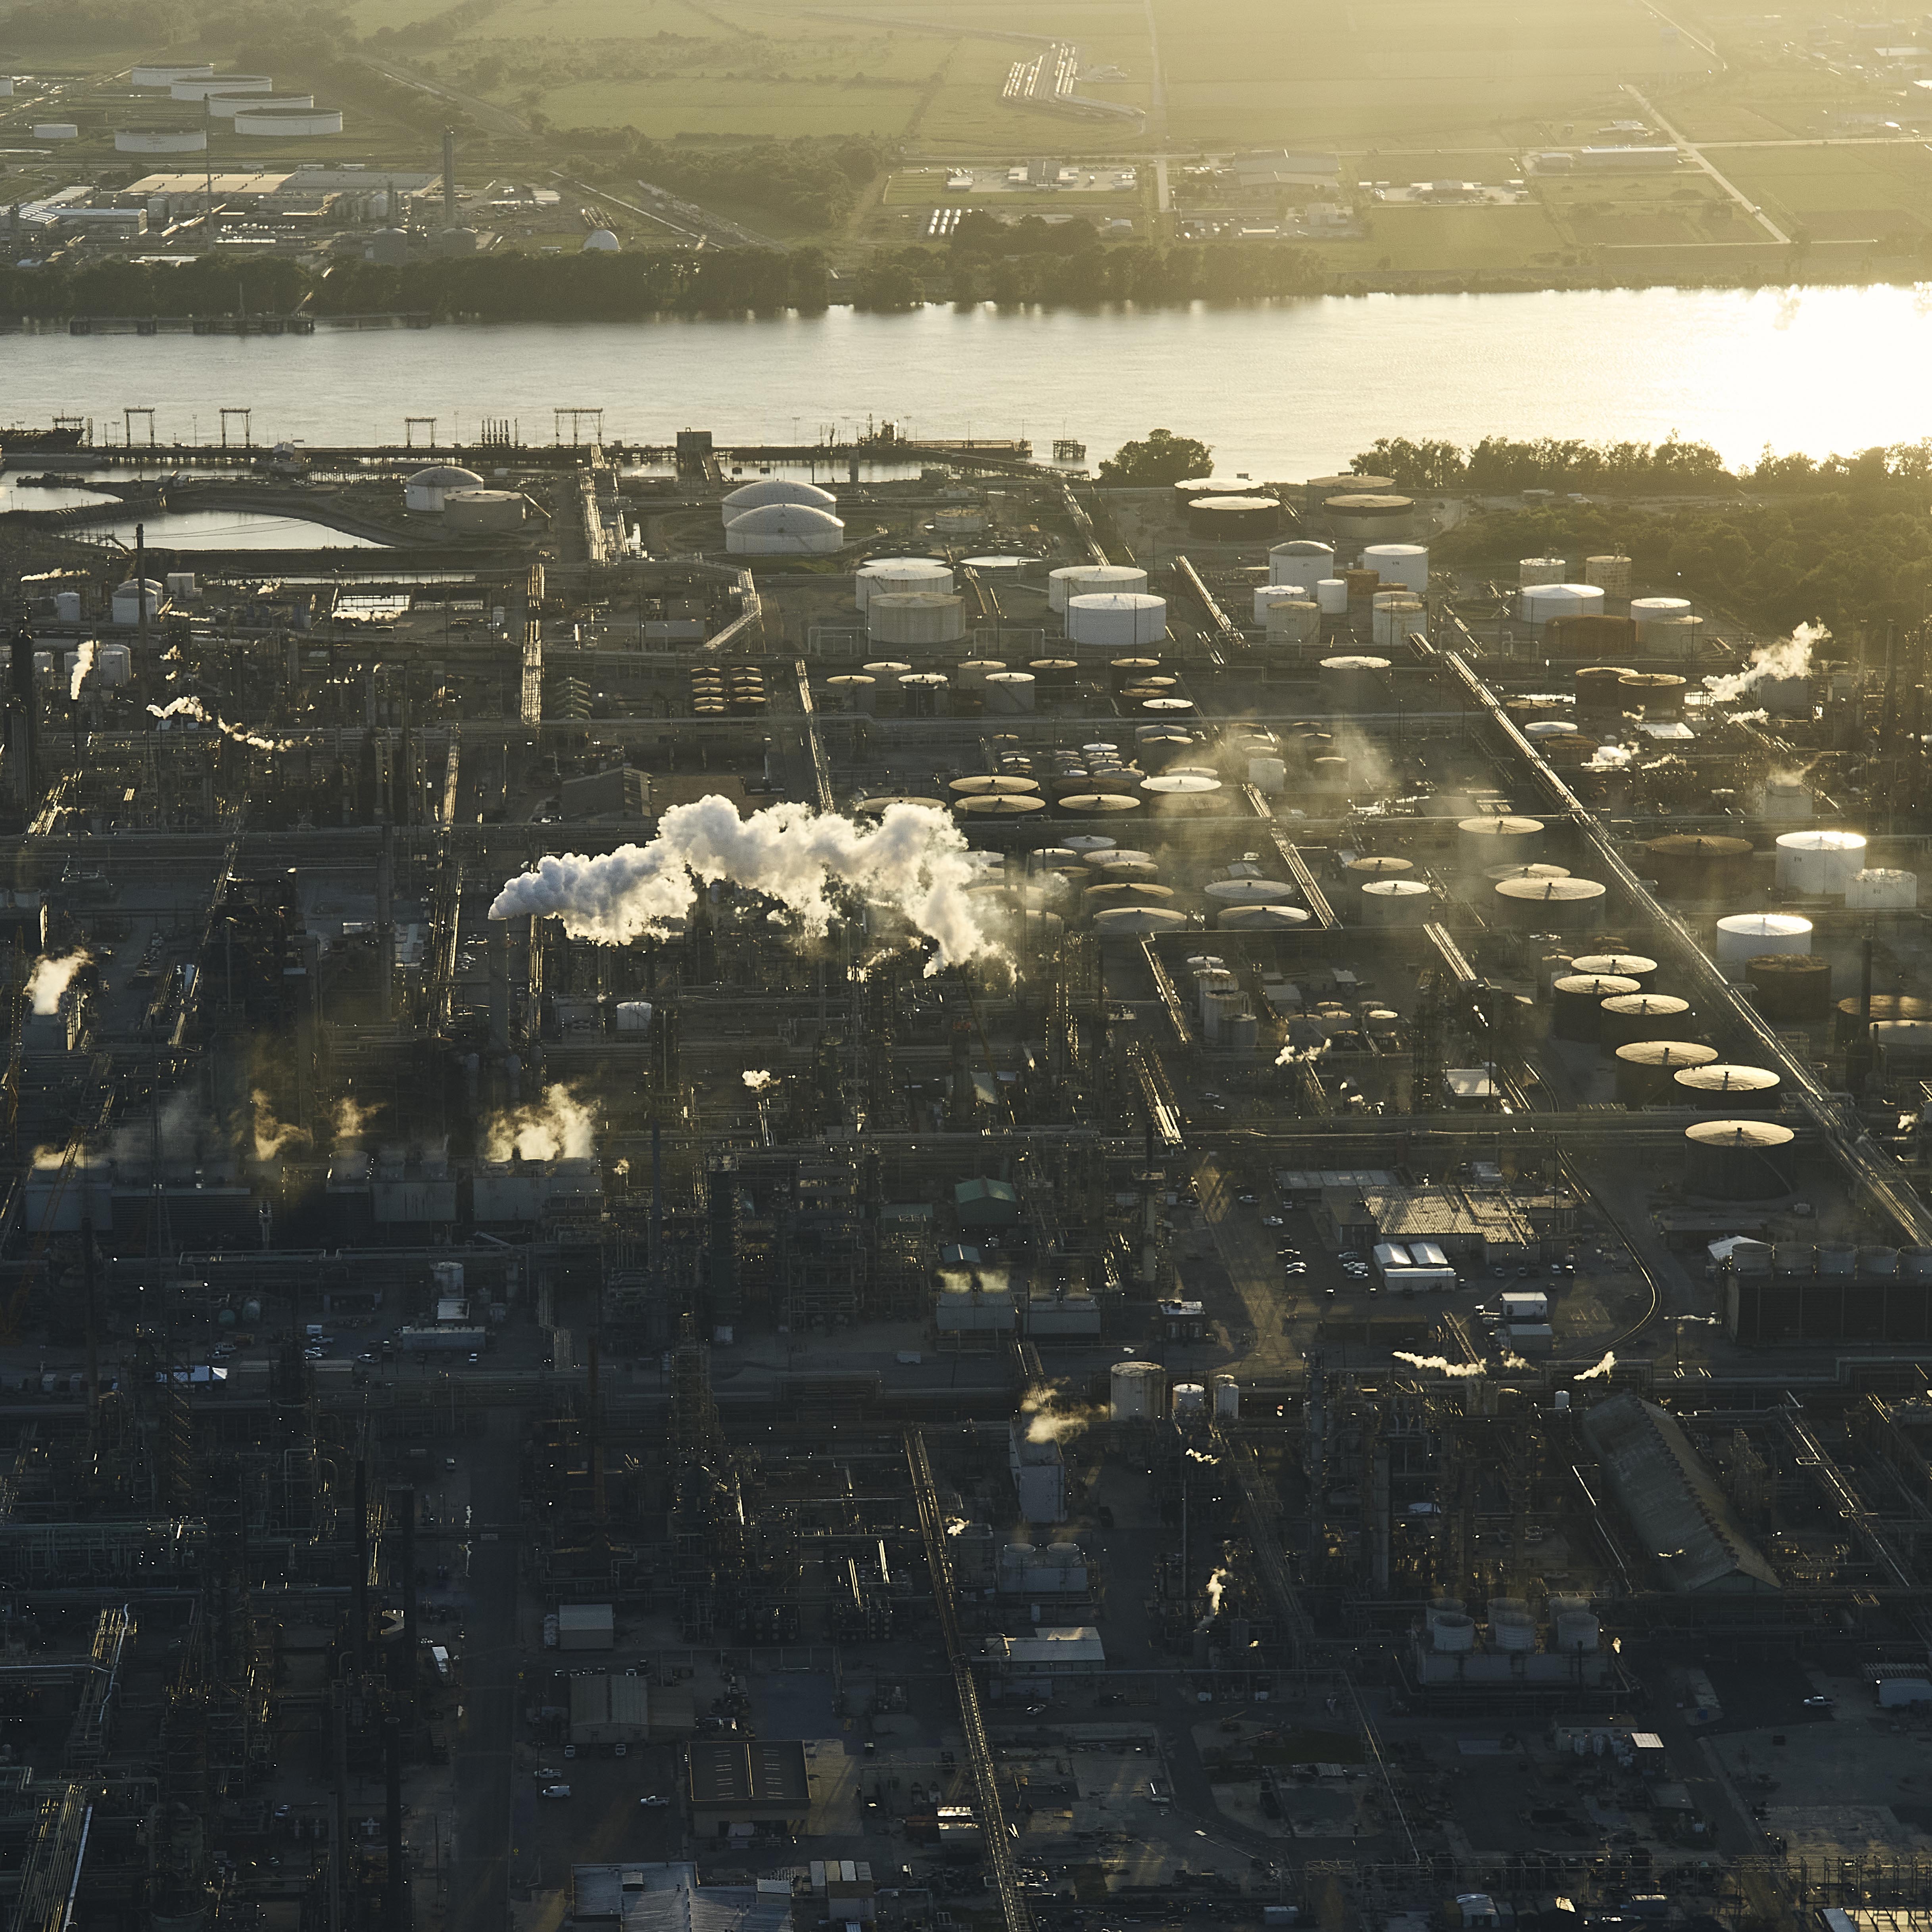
{"points": [[1671, 1500], [668, 1898]]}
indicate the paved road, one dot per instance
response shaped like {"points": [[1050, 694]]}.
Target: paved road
{"points": [[1703, 160], [497, 120]]}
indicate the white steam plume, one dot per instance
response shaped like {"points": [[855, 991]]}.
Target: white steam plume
{"points": [[1300, 1056], [48, 983], [83, 663], [192, 707], [759, 1081], [1217, 1584], [349, 1120], [1044, 1422], [271, 1135], [1608, 758], [1441, 1362], [1602, 1368], [560, 1128], [1790, 658], [915, 860]]}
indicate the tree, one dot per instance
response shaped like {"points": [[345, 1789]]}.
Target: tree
{"points": [[1160, 456]]}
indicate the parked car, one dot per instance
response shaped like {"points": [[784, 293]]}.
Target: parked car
{"points": [[554, 1791]]}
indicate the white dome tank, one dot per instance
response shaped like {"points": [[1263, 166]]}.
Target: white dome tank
{"points": [[1882, 889], [1652, 615], [1396, 902], [785, 529], [1110, 619], [1746, 936], [1817, 863], [1267, 596], [1135, 1391], [776, 489], [1092, 579], [914, 617], [1227, 1399], [1300, 561], [902, 574], [1451, 1631], [1190, 1398], [1542, 603], [1405, 564]]}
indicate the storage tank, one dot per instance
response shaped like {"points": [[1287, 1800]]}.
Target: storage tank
{"points": [[1008, 691], [1696, 865], [1331, 596], [1738, 1160], [165, 73], [113, 666], [1791, 988], [1511, 1626], [1880, 888], [1293, 620], [127, 598], [1610, 574], [1743, 936], [1055, 676], [786, 529], [1551, 905], [1300, 561], [1626, 965], [1136, 1391], [1359, 516], [974, 672], [1267, 596], [1451, 1632], [1190, 1401], [199, 86], [1092, 580], [1220, 1007], [56, 131], [1544, 603], [483, 510], [1880, 1262], [922, 693], [1495, 874], [1577, 1633], [908, 617], [1815, 863], [1233, 519], [775, 490], [1647, 1069], [1624, 1017], [1248, 892], [1906, 1045], [1532, 571], [1405, 564], [1269, 776], [1260, 919], [1393, 623], [1114, 620], [1396, 902], [1600, 689], [1357, 873], [1724, 1088], [1481, 843], [1354, 683], [265, 118], [1576, 1000], [927, 574], [1227, 1399], [1914, 1264], [1850, 1022], [160, 140], [425, 490], [1656, 693], [1650, 612]]}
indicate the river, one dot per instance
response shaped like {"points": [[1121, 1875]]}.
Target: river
{"points": [[1284, 390]]}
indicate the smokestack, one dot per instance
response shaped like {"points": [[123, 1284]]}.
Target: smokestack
{"points": [[449, 177]]}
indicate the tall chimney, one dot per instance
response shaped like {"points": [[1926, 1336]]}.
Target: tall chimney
{"points": [[449, 177]]}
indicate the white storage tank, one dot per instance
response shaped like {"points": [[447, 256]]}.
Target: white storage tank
{"points": [[285, 123], [1450, 1632], [1881, 889], [198, 87], [1743, 936], [1530, 570], [1190, 1399], [1300, 561], [426, 489], [1115, 619], [1008, 691], [1354, 683], [1293, 620], [1269, 776], [1405, 564], [129, 597], [1267, 596], [1331, 596], [1400, 618], [1396, 902], [1817, 863], [896, 574], [974, 672], [1484, 843], [1610, 574], [56, 131], [1227, 1399], [633, 1016], [1275, 919], [483, 509], [166, 73], [113, 666], [785, 529], [67, 606], [1136, 1391], [914, 617], [1092, 580], [776, 489], [1542, 603], [160, 140], [1651, 613]]}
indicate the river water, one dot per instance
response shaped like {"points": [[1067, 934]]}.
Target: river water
{"points": [[1283, 391]]}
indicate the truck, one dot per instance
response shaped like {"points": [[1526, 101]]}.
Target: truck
{"points": [[467, 1341]]}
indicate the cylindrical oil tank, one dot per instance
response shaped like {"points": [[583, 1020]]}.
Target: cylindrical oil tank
{"points": [[1649, 612], [1791, 1258], [1276, 919], [852, 690], [1495, 874], [1300, 561], [1626, 965], [1551, 905], [113, 666], [1726, 1088], [1405, 564], [1293, 620], [1353, 684], [1190, 1400], [1227, 1399], [1576, 1003], [1248, 892], [1114, 620], [914, 617], [1600, 691], [1177, 794], [1396, 902], [1008, 691], [1002, 567], [922, 693], [974, 672], [1738, 1160], [1906, 1045], [1269, 776], [1267, 596], [1626, 1017], [1915, 1264], [898, 574], [1331, 595], [1363, 585], [1882, 1262], [1553, 603], [1130, 925], [1881, 889], [1092, 580], [1359, 516], [1234, 519], [1220, 1007], [1113, 893], [1054, 675], [985, 784], [1329, 773], [1123, 673], [1850, 1022], [1400, 618], [1610, 574], [1785, 798], [1532, 571], [1568, 752], [1102, 808], [1696, 866], [1791, 988], [1481, 843], [1743, 936], [1656, 693], [1357, 873], [1646, 1069], [1057, 858], [1136, 1391], [1815, 863]]}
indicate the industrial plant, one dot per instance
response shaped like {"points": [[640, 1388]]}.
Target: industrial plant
{"points": [[1143, 1211]]}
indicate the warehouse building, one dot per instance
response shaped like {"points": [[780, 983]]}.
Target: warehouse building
{"points": [[745, 1783]]}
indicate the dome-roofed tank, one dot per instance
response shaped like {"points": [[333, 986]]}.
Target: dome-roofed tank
{"points": [[600, 241], [785, 529], [426, 489], [1624, 1017], [776, 489], [1647, 1068], [1738, 1160], [1724, 1087]]}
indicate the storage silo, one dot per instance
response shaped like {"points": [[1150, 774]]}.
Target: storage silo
{"points": [[1723, 1088], [1481, 843], [1881, 889], [1405, 564], [1575, 1003], [1396, 902], [1647, 1068], [1136, 1391], [900, 574], [1625, 1017], [1114, 620], [1532, 571], [913, 617], [1008, 691], [1331, 596], [1650, 612], [1610, 574], [1791, 988], [1696, 865], [1743, 936], [1293, 620], [1395, 622], [1300, 561], [1261, 919], [1544, 603], [1551, 905], [425, 490], [1092, 580], [1738, 1160], [1636, 966], [1816, 863], [1354, 683]]}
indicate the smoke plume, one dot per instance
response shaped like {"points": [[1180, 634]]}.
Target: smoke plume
{"points": [[1217, 1584], [559, 1128], [1301, 1056], [1602, 1368], [48, 983], [1790, 658], [83, 663], [192, 708], [759, 1081], [1046, 1424], [1441, 1363], [915, 861], [271, 1135], [349, 1120]]}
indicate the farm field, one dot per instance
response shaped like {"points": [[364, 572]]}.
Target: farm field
{"points": [[1433, 240]]}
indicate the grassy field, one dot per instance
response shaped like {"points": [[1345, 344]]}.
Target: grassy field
{"points": [[1478, 240], [1842, 193]]}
